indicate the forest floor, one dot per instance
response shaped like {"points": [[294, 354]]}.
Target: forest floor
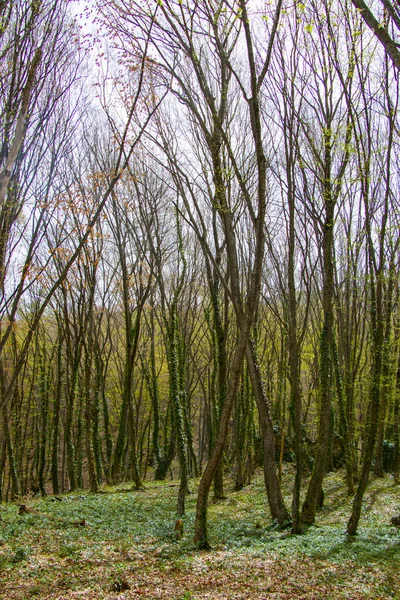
{"points": [[127, 547]]}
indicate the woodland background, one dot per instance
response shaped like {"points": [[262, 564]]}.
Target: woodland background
{"points": [[199, 247]]}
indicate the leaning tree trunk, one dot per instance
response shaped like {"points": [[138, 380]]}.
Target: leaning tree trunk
{"points": [[201, 532], [245, 312], [272, 485], [372, 428]]}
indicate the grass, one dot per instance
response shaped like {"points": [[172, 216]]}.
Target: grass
{"points": [[128, 549]]}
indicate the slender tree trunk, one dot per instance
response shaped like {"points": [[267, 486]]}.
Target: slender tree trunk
{"points": [[15, 490], [314, 491], [176, 388], [107, 435], [69, 442], [2, 468], [176, 398], [293, 343], [272, 485], [88, 394], [245, 318], [376, 257], [56, 419], [134, 450], [201, 532], [396, 434], [240, 429], [97, 392], [132, 340], [160, 471], [80, 430], [219, 364], [387, 352], [377, 335], [344, 426], [8, 439], [19, 136], [44, 409], [372, 428]]}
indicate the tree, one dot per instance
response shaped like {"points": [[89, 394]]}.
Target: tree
{"points": [[223, 29], [386, 27], [380, 252]]}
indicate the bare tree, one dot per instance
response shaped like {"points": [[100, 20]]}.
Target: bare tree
{"points": [[385, 26]]}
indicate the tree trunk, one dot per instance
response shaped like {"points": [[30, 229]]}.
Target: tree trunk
{"points": [[56, 419], [343, 423], [314, 491], [44, 409], [396, 434], [15, 490], [372, 427], [272, 485], [201, 533], [70, 447], [387, 353], [329, 195], [88, 394], [176, 389]]}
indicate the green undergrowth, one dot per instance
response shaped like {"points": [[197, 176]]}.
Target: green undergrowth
{"points": [[129, 542]]}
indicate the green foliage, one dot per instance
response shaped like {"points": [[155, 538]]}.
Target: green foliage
{"points": [[130, 537], [19, 555]]}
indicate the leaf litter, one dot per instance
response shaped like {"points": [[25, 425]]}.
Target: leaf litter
{"points": [[128, 549]]}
